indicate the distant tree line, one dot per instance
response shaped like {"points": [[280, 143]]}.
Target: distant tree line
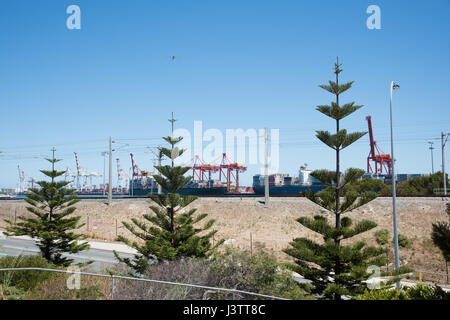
{"points": [[417, 186]]}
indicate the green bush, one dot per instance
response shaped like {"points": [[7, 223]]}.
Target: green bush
{"points": [[56, 288], [423, 292], [418, 292], [10, 293], [259, 273], [404, 242], [382, 237], [423, 185], [24, 280], [382, 294], [375, 185]]}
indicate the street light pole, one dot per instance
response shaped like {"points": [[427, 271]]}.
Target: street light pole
{"points": [[397, 260], [110, 172], [266, 169], [444, 138]]}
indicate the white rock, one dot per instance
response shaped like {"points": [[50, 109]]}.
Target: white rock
{"points": [[228, 241]]}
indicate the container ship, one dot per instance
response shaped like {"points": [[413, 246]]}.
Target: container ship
{"points": [[284, 184], [202, 184], [147, 186]]}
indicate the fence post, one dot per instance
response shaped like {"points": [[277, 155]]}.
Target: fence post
{"points": [[446, 270], [112, 287], [251, 245]]}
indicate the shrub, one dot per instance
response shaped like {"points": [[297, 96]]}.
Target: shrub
{"points": [[418, 292], [382, 294], [404, 242], [56, 289], [382, 237], [259, 274], [423, 292], [10, 293], [24, 280]]}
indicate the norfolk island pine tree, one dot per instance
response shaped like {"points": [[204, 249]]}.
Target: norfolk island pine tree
{"points": [[440, 235], [51, 205], [169, 232], [336, 269]]}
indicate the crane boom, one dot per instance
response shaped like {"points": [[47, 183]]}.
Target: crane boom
{"points": [[380, 159], [372, 142]]}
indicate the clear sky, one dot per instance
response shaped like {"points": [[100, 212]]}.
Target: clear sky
{"points": [[239, 64]]}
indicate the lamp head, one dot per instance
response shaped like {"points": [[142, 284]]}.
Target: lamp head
{"points": [[395, 86]]}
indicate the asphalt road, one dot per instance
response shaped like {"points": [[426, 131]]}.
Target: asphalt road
{"points": [[102, 258]]}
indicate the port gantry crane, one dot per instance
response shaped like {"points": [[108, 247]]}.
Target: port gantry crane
{"points": [[136, 172], [81, 172], [78, 170], [122, 176], [200, 169], [231, 172], [21, 179], [227, 170], [380, 159]]}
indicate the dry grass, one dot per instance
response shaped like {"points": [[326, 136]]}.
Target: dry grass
{"points": [[274, 227]]}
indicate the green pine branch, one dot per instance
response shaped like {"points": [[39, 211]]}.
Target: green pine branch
{"points": [[51, 223], [172, 229]]}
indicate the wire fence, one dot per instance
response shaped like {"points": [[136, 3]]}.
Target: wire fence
{"points": [[442, 279], [121, 289], [438, 278]]}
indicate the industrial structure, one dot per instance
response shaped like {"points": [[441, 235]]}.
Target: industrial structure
{"points": [[122, 178], [381, 160], [284, 184], [87, 185], [228, 172]]}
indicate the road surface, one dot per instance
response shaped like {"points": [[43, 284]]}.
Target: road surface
{"points": [[103, 258]]}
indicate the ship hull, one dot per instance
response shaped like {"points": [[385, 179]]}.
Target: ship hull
{"points": [[184, 191], [292, 190]]}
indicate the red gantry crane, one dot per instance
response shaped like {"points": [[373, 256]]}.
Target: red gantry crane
{"points": [[137, 173], [380, 159], [231, 172], [227, 170], [200, 170]]}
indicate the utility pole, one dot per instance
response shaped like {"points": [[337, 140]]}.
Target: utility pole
{"points": [[172, 156], [443, 142], [266, 169], [110, 172], [104, 153], [159, 164], [432, 162]]}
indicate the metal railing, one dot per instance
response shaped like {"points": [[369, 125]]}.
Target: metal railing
{"points": [[114, 277]]}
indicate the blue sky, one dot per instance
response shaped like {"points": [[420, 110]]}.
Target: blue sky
{"points": [[240, 64]]}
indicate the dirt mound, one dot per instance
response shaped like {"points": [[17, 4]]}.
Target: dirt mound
{"points": [[271, 228]]}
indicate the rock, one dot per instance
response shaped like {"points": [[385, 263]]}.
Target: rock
{"points": [[228, 241]]}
